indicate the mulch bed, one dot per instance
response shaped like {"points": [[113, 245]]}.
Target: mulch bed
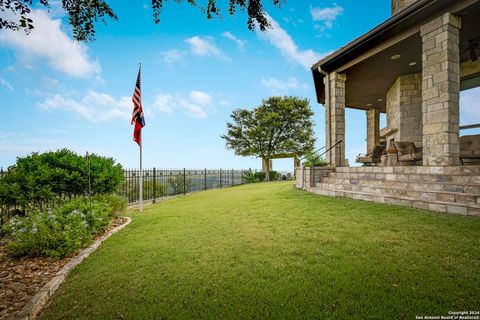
{"points": [[22, 278]]}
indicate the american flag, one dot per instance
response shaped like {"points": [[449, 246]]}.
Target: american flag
{"points": [[137, 115]]}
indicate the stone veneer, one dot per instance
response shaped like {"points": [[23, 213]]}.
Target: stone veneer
{"points": [[404, 109], [449, 189], [399, 5], [373, 129], [441, 90], [335, 111]]}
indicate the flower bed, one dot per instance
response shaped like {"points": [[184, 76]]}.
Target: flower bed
{"points": [[21, 278]]}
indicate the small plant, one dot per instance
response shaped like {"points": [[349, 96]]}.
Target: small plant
{"points": [[61, 231], [179, 184], [315, 160], [250, 176], [118, 204]]}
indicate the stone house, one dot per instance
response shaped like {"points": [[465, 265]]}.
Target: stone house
{"points": [[412, 68]]}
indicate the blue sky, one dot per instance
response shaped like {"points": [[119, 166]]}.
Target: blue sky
{"points": [[57, 93]]}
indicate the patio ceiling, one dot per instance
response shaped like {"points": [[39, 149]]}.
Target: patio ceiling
{"points": [[369, 80], [372, 65]]}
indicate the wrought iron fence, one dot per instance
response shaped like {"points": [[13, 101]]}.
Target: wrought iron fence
{"points": [[159, 183]]}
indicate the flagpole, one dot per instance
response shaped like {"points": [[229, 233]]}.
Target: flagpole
{"points": [[141, 174]]}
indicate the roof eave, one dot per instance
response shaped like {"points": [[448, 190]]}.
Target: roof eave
{"points": [[375, 32]]}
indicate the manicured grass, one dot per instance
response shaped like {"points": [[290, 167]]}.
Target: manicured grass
{"points": [[268, 251]]}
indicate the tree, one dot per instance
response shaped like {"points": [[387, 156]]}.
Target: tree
{"points": [[83, 14], [280, 125]]}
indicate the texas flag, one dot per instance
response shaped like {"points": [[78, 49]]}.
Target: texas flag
{"points": [[137, 116]]}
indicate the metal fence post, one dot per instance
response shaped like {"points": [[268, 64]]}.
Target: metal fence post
{"points": [[184, 182], [233, 179], [303, 177], [312, 176], [220, 178], [205, 179], [154, 185]]}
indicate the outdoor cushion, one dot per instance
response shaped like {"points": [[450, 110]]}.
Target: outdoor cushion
{"points": [[406, 151], [373, 157], [470, 146]]}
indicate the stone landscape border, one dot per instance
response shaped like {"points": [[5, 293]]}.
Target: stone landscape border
{"points": [[33, 308]]}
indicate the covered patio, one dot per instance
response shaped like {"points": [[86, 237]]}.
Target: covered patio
{"points": [[412, 68]]}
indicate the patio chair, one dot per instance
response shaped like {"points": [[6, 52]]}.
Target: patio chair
{"points": [[407, 151], [470, 149], [373, 157]]}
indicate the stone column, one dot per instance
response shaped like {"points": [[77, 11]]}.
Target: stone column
{"points": [[327, 118], [404, 109], [373, 129], [441, 90], [336, 119]]}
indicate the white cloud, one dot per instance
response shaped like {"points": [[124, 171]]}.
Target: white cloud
{"points": [[49, 83], [172, 56], [326, 15], [193, 110], [6, 84], [240, 43], [195, 104], [278, 86], [205, 47], [99, 107], [224, 103], [165, 103], [201, 98], [94, 107], [48, 42], [278, 37]]}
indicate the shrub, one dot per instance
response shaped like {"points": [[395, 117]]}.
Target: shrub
{"points": [[58, 232], [250, 176], [39, 181], [118, 204], [176, 184], [274, 175], [131, 189], [315, 160]]}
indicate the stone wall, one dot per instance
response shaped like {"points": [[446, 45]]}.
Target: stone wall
{"points": [[441, 90], [450, 189], [373, 129], [393, 108], [303, 175], [399, 5], [404, 109], [335, 113]]}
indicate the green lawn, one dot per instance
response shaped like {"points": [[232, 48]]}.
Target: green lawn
{"points": [[269, 251]]}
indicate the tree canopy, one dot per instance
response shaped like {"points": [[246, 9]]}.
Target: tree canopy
{"points": [[83, 14], [280, 125]]}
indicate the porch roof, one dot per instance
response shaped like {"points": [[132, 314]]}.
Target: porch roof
{"points": [[367, 60]]}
